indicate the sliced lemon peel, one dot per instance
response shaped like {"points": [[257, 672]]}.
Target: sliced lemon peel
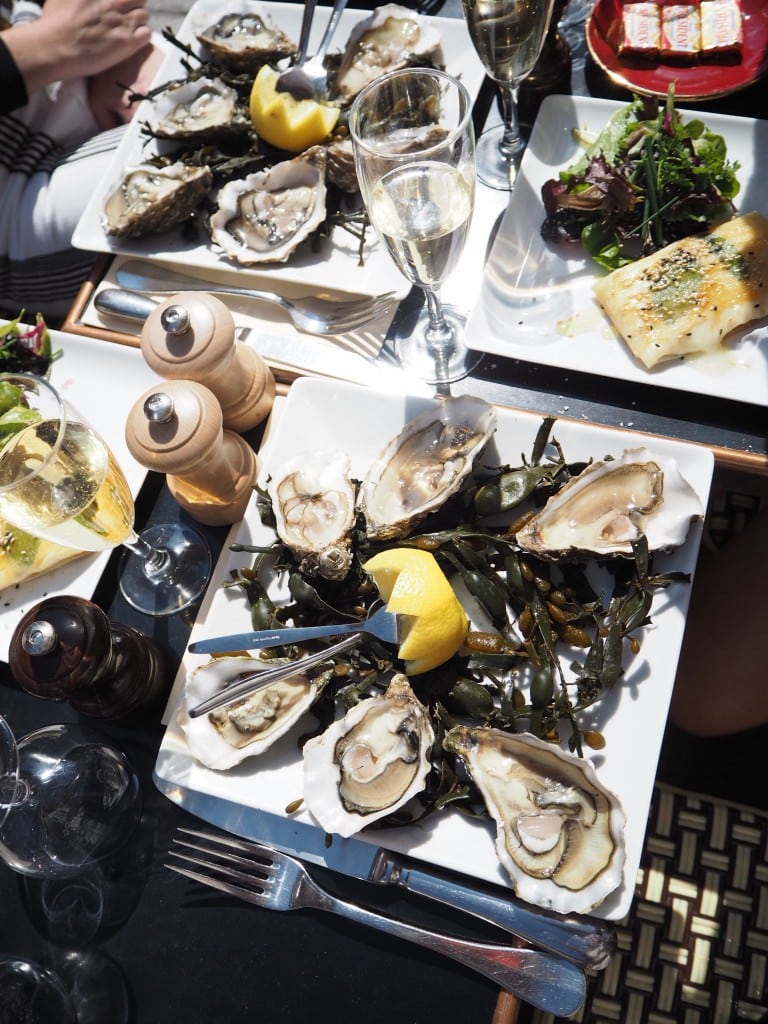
{"points": [[414, 586], [284, 122]]}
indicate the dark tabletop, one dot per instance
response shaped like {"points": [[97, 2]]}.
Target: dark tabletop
{"points": [[164, 950]]}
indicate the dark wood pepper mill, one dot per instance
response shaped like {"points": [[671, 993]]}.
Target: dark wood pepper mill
{"points": [[65, 648], [191, 336], [176, 428]]}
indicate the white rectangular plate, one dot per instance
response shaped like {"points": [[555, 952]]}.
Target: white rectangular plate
{"points": [[103, 382], [536, 302], [335, 264], [322, 415]]}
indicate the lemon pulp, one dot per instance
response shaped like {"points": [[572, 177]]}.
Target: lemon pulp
{"points": [[285, 122], [413, 585]]}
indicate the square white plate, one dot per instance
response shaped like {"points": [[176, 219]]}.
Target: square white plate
{"points": [[536, 302], [335, 263], [103, 382], [252, 798]]}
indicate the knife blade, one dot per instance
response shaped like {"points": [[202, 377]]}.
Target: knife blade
{"points": [[587, 941], [313, 355]]}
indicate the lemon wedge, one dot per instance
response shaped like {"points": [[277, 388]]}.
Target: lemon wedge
{"points": [[285, 122], [413, 585]]}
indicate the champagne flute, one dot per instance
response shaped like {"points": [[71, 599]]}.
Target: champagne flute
{"points": [[60, 482], [508, 36], [414, 149]]}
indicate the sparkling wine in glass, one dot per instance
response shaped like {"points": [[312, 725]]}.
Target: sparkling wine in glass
{"points": [[414, 148], [60, 482], [508, 36]]}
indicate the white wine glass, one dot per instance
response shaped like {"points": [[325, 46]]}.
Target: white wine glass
{"points": [[414, 149], [59, 482], [508, 36]]}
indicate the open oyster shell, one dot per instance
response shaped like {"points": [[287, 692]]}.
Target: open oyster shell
{"points": [[244, 39], [313, 500], [424, 465], [264, 217], [149, 199], [391, 37], [247, 727], [370, 762], [201, 108], [610, 503], [559, 832]]}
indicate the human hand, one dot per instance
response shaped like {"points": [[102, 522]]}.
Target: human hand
{"points": [[77, 38], [109, 92]]}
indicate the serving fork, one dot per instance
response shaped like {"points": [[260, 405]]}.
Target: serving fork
{"points": [[309, 314], [268, 878]]}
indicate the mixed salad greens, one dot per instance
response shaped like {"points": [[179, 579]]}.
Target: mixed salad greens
{"points": [[648, 179], [25, 349]]}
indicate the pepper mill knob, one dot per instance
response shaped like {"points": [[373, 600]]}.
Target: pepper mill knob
{"points": [[176, 428], [191, 336]]}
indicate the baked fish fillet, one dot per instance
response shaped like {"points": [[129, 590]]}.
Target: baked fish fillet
{"points": [[687, 297]]}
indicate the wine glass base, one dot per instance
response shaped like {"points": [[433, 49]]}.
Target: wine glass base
{"points": [[494, 168], [167, 593], [431, 364]]}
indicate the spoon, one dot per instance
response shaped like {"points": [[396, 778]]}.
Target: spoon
{"points": [[308, 79]]}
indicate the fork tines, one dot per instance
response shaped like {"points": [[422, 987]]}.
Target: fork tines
{"points": [[218, 858]]}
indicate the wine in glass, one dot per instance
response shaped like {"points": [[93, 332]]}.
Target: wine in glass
{"points": [[60, 482], [508, 36], [414, 149]]}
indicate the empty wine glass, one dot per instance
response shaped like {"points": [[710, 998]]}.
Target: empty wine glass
{"points": [[32, 994], [66, 800], [508, 36], [414, 149], [60, 482]]}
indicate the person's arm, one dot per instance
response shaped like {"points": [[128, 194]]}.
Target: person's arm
{"points": [[13, 90], [72, 39]]}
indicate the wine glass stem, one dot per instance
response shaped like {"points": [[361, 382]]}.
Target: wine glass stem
{"points": [[511, 139], [156, 562], [439, 332]]}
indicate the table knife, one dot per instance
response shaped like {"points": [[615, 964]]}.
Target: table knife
{"points": [[313, 355], [586, 940]]}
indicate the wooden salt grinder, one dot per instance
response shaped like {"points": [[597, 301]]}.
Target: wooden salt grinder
{"points": [[176, 428], [191, 336]]}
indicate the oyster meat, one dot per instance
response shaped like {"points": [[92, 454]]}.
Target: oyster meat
{"points": [[249, 726], [370, 762], [313, 500], [264, 217], [424, 465], [391, 37], [559, 832], [610, 503], [151, 199], [244, 40], [201, 108]]}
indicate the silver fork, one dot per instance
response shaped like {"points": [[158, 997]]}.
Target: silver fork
{"points": [[315, 316], [268, 878]]}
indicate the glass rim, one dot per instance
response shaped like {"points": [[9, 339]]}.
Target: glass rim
{"points": [[9, 768], [391, 76], [36, 384]]}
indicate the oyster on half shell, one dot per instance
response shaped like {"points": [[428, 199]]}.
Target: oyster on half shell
{"points": [[249, 726], [150, 199], [559, 832], [200, 108], [370, 762], [610, 503], [391, 37], [424, 465], [244, 40], [313, 500], [262, 218]]}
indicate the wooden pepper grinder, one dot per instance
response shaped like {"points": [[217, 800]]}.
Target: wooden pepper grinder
{"points": [[65, 648], [191, 336], [176, 428]]}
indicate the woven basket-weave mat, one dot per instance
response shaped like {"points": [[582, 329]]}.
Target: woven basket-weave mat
{"points": [[694, 947]]}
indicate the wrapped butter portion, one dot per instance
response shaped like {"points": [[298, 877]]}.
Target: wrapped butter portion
{"points": [[689, 296]]}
